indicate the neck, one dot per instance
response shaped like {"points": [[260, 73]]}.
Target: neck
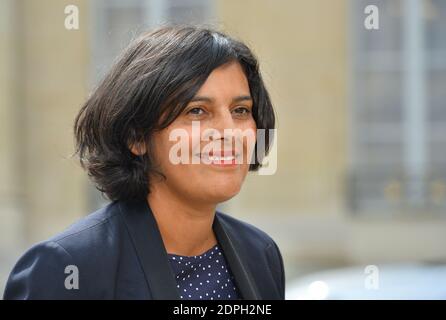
{"points": [[186, 228]]}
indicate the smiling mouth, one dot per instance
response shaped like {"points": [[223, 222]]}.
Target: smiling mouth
{"points": [[217, 158], [227, 158]]}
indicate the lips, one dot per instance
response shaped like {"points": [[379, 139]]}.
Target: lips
{"points": [[220, 157]]}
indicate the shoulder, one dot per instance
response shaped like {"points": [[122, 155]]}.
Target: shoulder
{"points": [[39, 273], [100, 220], [93, 237], [42, 271]]}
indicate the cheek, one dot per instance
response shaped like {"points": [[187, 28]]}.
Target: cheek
{"points": [[165, 143], [249, 141], [175, 154], [195, 142], [161, 147]]}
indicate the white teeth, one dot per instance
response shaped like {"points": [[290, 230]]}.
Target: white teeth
{"points": [[214, 158]]}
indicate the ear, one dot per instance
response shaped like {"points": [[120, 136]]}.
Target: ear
{"points": [[138, 148]]}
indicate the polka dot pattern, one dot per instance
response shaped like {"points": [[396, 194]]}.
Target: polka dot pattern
{"points": [[204, 277]]}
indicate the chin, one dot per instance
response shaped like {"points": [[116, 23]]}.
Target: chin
{"points": [[222, 192]]}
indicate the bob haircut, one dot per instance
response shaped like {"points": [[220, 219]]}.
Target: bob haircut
{"points": [[146, 90]]}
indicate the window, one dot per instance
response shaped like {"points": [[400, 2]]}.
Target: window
{"points": [[115, 22], [398, 114]]}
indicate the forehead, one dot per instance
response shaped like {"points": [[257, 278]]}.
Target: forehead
{"points": [[228, 79]]}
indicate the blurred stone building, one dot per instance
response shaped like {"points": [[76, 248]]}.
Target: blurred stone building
{"points": [[361, 121]]}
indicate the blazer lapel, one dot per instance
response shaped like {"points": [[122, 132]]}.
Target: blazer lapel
{"points": [[235, 257], [149, 246], [150, 249]]}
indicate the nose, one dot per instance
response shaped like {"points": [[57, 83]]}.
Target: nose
{"points": [[222, 126]]}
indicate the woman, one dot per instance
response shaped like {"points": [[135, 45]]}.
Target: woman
{"points": [[161, 236]]}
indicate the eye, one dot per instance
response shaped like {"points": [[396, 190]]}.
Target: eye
{"points": [[196, 111], [242, 111]]}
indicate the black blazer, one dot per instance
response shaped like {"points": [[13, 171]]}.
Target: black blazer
{"points": [[119, 254]]}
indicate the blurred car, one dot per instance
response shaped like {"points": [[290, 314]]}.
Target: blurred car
{"points": [[392, 281]]}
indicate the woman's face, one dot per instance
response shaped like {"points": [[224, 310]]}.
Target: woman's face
{"points": [[201, 161]]}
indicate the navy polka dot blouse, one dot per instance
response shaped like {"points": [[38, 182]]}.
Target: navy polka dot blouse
{"points": [[206, 276]]}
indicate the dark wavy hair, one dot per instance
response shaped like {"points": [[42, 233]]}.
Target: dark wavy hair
{"points": [[146, 90]]}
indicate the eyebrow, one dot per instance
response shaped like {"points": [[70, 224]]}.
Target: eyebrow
{"points": [[210, 100]]}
